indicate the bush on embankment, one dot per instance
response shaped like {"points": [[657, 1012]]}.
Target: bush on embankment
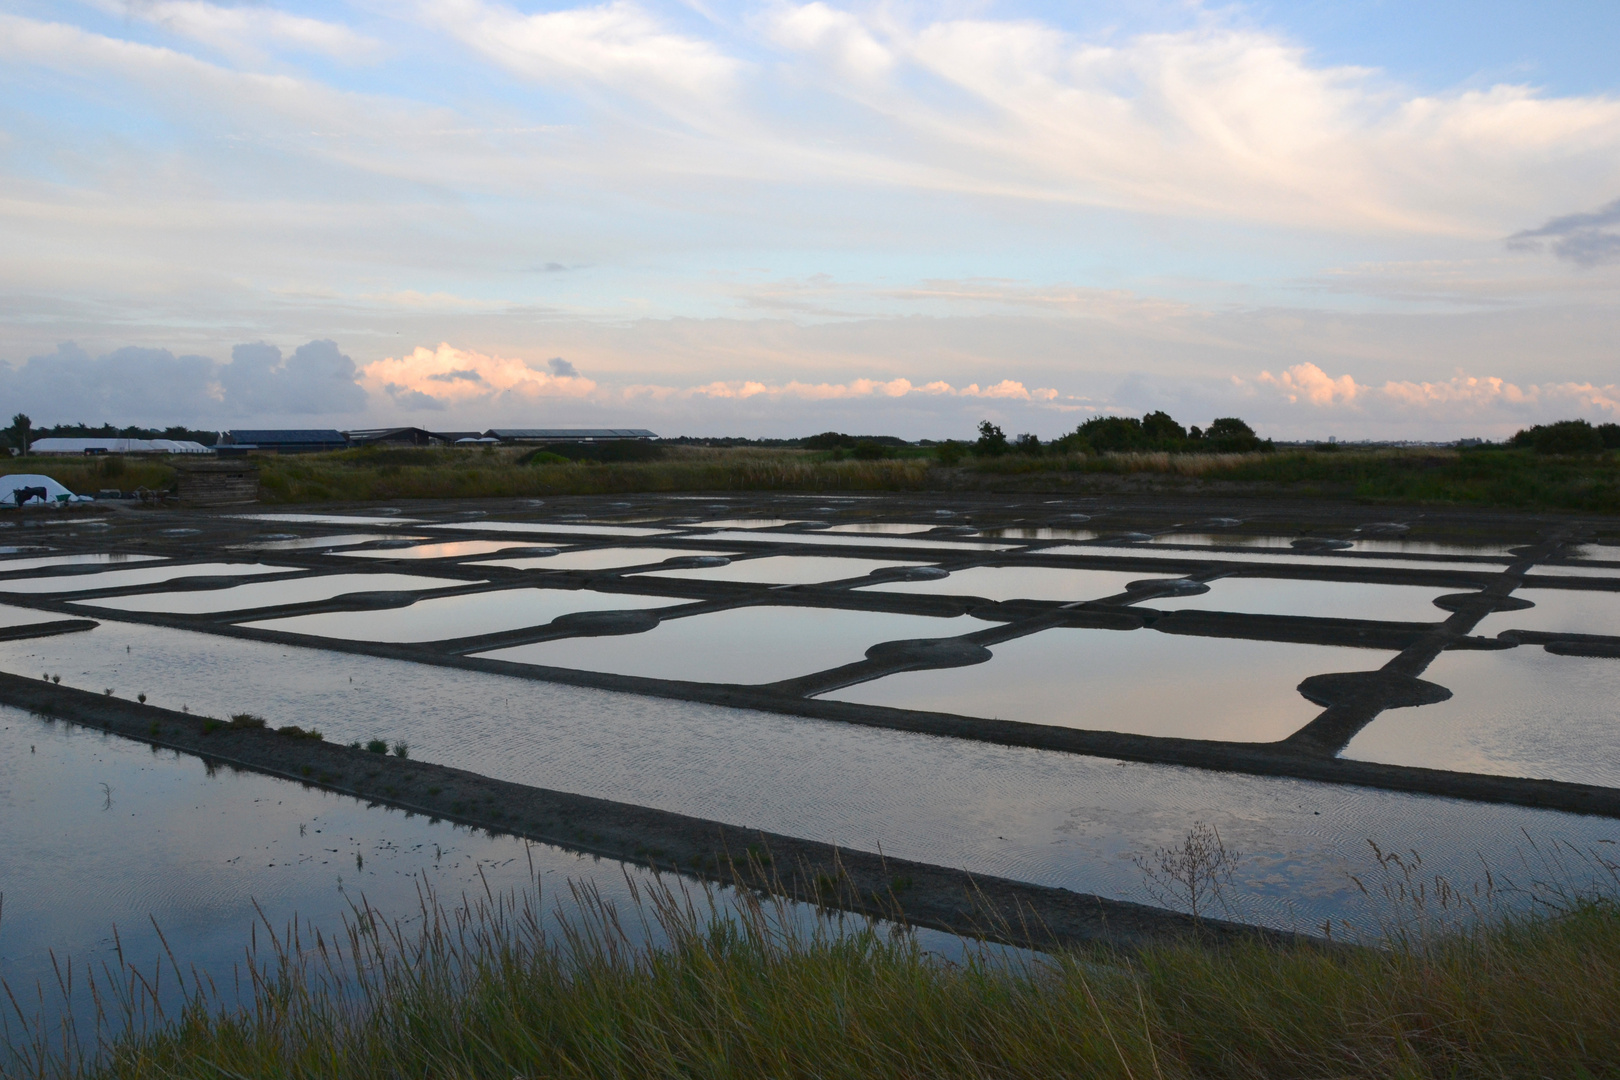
{"points": [[489, 996]]}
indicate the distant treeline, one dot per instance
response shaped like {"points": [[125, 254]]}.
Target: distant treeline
{"points": [[1156, 431], [23, 430]]}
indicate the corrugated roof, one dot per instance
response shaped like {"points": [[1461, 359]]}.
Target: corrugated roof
{"points": [[273, 436], [571, 433]]}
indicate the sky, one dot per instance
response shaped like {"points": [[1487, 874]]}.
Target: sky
{"points": [[1358, 218]]}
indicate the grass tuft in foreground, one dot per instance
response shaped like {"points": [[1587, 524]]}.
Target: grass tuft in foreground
{"points": [[749, 987]]}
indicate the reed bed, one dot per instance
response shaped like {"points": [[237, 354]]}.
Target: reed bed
{"points": [[699, 984]]}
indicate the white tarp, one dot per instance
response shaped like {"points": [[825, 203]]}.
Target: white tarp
{"points": [[118, 446], [53, 490]]}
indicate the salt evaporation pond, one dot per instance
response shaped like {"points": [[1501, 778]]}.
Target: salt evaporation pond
{"points": [[1019, 583], [1135, 681], [259, 594], [469, 615], [608, 558], [1513, 712], [781, 570], [146, 575], [104, 835], [744, 645], [1049, 818]]}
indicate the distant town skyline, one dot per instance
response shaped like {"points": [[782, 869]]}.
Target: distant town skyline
{"points": [[773, 219]]}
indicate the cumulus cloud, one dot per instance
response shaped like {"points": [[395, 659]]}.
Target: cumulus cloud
{"points": [[128, 385], [1307, 382], [451, 376], [154, 386], [317, 379], [1463, 397], [1583, 239]]}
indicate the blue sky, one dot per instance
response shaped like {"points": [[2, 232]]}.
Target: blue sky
{"points": [[1359, 218]]}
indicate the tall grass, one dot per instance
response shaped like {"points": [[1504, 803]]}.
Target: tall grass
{"points": [[363, 475], [1517, 479], [748, 988], [88, 475]]}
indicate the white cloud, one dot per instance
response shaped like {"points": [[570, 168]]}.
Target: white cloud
{"points": [[154, 386], [1307, 382], [244, 32], [742, 389], [838, 38], [618, 45], [435, 378], [1491, 400]]}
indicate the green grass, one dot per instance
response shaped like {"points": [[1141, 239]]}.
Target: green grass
{"points": [[749, 990], [88, 475], [1507, 479], [1511, 479], [441, 474]]}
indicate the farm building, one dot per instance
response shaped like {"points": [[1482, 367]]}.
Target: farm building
{"points": [[559, 435], [285, 441]]}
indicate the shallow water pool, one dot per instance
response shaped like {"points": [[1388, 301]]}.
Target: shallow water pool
{"points": [[1517, 712], [598, 558], [1056, 819], [147, 575], [781, 570], [743, 645], [1135, 681], [10, 565], [1318, 599], [1569, 611], [449, 550], [446, 617], [261, 594], [1020, 583]]}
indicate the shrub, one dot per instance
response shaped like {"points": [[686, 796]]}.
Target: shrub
{"points": [[377, 746], [293, 731], [992, 440], [246, 720], [866, 450], [1028, 444], [1564, 437], [1229, 435]]}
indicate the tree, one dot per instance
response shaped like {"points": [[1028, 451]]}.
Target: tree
{"points": [[1564, 437], [1028, 444], [1161, 430], [992, 440], [1112, 433], [20, 430], [1230, 434]]}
